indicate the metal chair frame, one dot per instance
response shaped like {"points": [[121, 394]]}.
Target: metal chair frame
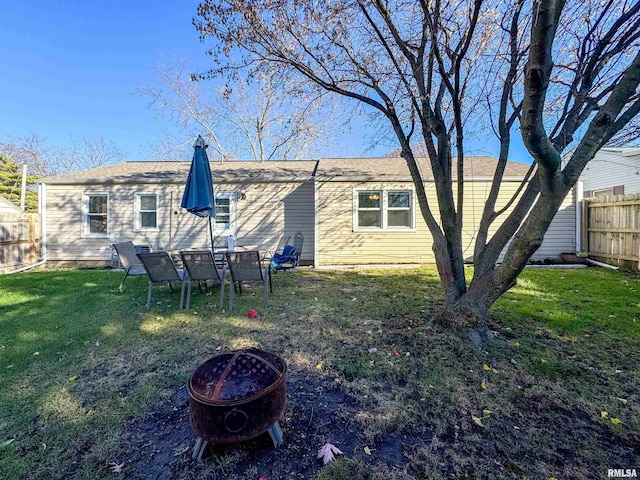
{"points": [[202, 268], [236, 262], [127, 256], [161, 270]]}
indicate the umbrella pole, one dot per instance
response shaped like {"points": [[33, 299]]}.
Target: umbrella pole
{"points": [[213, 250]]}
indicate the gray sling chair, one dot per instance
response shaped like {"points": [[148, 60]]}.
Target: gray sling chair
{"points": [[161, 269], [202, 268], [246, 267], [127, 255]]}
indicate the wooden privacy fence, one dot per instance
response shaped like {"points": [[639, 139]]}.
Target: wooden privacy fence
{"points": [[20, 240], [611, 229]]}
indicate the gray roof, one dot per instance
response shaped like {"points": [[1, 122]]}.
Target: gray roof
{"points": [[335, 169]]}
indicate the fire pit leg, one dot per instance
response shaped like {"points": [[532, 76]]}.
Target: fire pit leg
{"points": [[275, 432], [198, 450]]}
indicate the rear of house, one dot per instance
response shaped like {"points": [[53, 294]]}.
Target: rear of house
{"points": [[350, 211], [367, 212], [85, 213]]}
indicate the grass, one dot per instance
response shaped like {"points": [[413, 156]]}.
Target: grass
{"points": [[82, 367]]}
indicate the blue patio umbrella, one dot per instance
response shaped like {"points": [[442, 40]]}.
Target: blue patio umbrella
{"points": [[198, 195]]}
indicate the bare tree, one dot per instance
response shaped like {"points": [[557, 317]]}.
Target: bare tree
{"points": [[565, 74], [43, 159], [255, 117]]}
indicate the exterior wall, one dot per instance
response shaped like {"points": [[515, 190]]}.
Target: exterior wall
{"points": [[610, 168], [268, 210], [561, 235], [339, 244]]}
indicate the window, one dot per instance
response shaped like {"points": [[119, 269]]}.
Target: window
{"points": [[370, 209], [146, 211], [399, 209], [384, 209], [95, 217], [223, 212]]}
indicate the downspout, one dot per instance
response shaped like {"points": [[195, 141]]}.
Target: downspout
{"points": [[579, 191], [316, 234]]}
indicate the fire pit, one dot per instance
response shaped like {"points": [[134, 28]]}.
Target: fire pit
{"points": [[237, 396]]}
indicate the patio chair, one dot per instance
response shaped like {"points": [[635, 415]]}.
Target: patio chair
{"points": [[284, 241], [201, 268], [161, 269], [246, 267], [290, 256], [127, 256]]}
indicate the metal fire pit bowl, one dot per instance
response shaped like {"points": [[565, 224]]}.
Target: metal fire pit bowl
{"points": [[237, 396]]}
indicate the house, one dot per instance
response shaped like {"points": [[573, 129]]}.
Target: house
{"points": [[613, 171], [351, 211]]}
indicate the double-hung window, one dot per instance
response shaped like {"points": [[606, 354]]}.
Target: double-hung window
{"points": [[146, 212], [95, 215], [384, 210]]}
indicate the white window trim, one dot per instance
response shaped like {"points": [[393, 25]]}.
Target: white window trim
{"points": [[85, 215], [233, 202], [384, 191], [137, 224]]}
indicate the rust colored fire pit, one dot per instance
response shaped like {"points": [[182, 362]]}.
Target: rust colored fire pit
{"points": [[237, 396]]}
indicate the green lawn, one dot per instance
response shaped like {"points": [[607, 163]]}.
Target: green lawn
{"points": [[86, 371]]}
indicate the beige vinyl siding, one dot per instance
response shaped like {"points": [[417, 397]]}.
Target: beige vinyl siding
{"points": [[339, 244], [268, 210]]}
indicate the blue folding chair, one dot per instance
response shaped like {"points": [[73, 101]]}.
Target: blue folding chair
{"points": [[290, 256]]}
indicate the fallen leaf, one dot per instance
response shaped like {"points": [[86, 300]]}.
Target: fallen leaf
{"points": [[367, 450], [478, 420], [615, 421], [116, 467], [408, 354], [328, 452], [253, 313], [623, 400], [517, 344], [72, 379], [7, 442], [319, 366], [396, 354], [486, 413], [553, 478], [483, 385], [373, 350], [604, 414], [35, 354], [494, 370], [486, 367]]}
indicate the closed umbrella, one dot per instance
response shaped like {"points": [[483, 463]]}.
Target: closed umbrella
{"points": [[198, 195]]}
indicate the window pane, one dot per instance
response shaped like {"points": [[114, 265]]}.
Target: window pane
{"points": [[147, 202], [222, 219], [148, 219], [369, 200], [97, 204], [368, 218], [399, 200], [399, 218], [98, 224]]}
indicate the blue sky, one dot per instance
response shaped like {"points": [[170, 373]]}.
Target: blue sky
{"points": [[70, 69]]}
